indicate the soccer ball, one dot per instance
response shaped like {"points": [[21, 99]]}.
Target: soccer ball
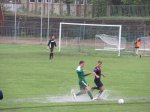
{"points": [[121, 101]]}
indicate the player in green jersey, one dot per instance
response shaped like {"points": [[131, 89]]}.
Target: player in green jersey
{"points": [[84, 87]]}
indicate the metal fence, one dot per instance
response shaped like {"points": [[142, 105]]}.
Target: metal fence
{"points": [[27, 30], [32, 30]]}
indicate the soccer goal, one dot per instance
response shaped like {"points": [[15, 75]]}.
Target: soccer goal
{"points": [[90, 37]]}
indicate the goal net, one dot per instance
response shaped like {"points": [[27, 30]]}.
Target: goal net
{"points": [[109, 42], [144, 50], [89, 37], [145, 44]]}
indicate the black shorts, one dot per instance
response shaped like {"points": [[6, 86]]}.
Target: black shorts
{"points": [[98, 83], [52, 49], [1, 95]]}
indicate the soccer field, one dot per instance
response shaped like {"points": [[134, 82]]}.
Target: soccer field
{"points": [[32, 83]]}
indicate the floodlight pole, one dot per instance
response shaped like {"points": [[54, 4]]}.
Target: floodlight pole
{"points": [[48, 20], [41, 19], [15, 35], [83, 32], [60, 27]]}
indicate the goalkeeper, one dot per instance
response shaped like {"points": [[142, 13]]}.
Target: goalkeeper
{"points": [[84, 87], [51, 45]]}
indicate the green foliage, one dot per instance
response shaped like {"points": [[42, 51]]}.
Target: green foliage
{"points": [[99, 8], [68, 1], [135, 2]]}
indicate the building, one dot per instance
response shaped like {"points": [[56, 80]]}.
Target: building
{"points": [[78, 8], [60, 7]]}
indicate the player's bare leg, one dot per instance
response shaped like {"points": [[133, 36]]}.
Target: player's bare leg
{"points": [[81, 92], [77, 94], [88, 89], [101, 89], [95, 87]]}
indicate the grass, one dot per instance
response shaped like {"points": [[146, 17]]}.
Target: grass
{"points": [[26, 72]]}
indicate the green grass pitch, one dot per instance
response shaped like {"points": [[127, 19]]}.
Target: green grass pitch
{"points": [[28, 78]]}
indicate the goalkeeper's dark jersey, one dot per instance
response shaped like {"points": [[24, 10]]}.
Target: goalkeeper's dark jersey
{"points": [[51, 43]]}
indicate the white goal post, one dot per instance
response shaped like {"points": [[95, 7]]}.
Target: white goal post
{"points": [[119, 29]]}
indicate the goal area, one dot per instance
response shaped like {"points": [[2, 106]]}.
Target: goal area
{"points": [[90, 37]]}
